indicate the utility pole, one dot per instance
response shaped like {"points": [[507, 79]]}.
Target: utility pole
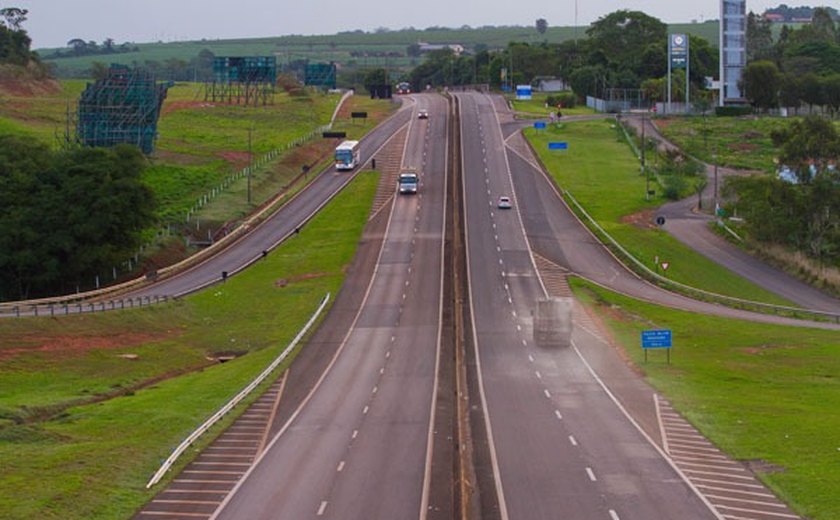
{"points": [[644, 170], [250, 164]]}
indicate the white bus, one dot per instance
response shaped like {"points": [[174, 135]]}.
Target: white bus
{"points": [[347, 155]]}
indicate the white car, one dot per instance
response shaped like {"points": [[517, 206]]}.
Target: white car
{"points": [[422, 114], [504, 202]]}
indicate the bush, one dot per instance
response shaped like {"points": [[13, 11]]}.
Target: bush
{"points": [[673, 186], [733, 111], [563, 100]]}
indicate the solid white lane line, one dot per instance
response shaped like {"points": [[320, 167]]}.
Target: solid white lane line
{"points": [[340, 466], [767, 513], [573, 440], [717, 474], [730, 490], [322, 508], [591, 474], [728, 483], [746, 501], [661, 426]]}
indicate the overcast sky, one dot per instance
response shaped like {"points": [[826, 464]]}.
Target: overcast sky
{"points": [[52, 23]]}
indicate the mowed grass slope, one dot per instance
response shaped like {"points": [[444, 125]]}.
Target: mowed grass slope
{"points": [[601, 172], [764, 394], [92, 461]]}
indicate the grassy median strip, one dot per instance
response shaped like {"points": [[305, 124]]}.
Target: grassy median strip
{"points": [[765, 394], [92, 460], [600, 171]]}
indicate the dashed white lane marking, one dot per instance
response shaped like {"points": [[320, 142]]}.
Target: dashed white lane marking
{"points": [[340, 466], [393, 338], [387, 354], [591, 474], [573, 440], [558, 414], [614, 515], [322, 508], [539, 376], [547, 393], [375, 389], [355, 434], [530, 358], [381, 370], [366, 410], [519, 328], [526, 344]]}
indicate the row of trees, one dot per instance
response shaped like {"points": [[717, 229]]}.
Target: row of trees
{"points": [[804, 215], [66, 216], [79, 47], [801, 66], [621, 50]]}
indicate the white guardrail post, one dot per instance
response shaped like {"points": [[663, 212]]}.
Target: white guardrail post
{"points": [[167, 464]]}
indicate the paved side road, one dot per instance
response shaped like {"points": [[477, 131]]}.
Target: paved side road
{"points": [[687, 224]]}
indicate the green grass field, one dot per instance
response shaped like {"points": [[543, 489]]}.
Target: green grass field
{"points": [[92, 461], [738, 142], [601, 172], [759, 392], [536, 106]]}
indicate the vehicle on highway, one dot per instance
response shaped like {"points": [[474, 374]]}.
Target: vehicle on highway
{"points": [[347, 155], [403, 88], [422, 114], [504, 202], [408, 183]]}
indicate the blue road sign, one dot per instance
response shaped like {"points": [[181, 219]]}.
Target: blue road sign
{"points": [[539, 125], [562, 145], [656, 339]]}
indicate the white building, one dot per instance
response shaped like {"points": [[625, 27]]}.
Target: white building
{"points": [[733, 49]]}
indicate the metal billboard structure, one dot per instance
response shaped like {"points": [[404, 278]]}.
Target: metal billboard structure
{"points": [[242, 80], [320, 75], [122, 108]]}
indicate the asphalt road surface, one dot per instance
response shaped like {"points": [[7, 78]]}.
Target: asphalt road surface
{"points": [[277, 227], [561, 448], [358, 447]]}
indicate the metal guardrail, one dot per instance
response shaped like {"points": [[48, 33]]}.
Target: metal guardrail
{"points": [[198, 432], [708, 295], [66, 307]]}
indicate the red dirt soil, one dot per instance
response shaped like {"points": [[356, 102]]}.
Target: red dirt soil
{"points": [[74, 345], [28, 88]]}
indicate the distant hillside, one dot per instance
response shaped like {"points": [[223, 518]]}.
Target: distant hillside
{"points": [[353, 49]]}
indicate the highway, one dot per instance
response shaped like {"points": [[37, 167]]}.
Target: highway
{"points": [[559, 446], [358, 446], [277, 227]]}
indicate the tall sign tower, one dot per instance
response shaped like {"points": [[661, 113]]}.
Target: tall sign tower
{"points": [[733, 49]]}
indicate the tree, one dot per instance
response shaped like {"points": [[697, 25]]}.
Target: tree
{"points": [[823, 26], [812, 92], [622, 36], [413, 50], [375, 77], [831, 93], [808, 144], [759, 38], [108, 45], [13, 17], [542, 26], [79, 46], [790, 91], [761, 81]]}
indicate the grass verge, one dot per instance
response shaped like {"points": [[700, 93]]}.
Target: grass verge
{"points": [[603, 175], [92, 461], [762, 393], [537, 107]]}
